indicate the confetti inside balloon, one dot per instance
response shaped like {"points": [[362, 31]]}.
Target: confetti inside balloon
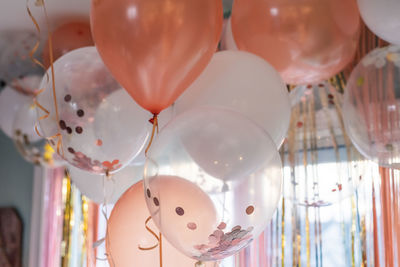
{"points": [[102, 129], [212, 182]]}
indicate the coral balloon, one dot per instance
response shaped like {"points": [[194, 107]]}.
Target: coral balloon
{"points": [[102, 129], [212, 182], [306, 41], [126, 231], [156, 48], [244, 83], [382, 17], [371, 106], [67, 38], [99, 188]]}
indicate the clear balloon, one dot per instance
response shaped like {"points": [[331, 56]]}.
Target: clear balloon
{"points": [[66, 38], [15, 62], [372, 104], [126, 231], [156, 48], [212, 182], [29, 144], [244, 83], [327, 168], [102, 129], [28, 85], [102, 189], [306, 41], [382, 17], [10, 102]]}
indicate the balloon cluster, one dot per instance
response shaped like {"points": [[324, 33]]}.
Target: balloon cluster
{"points": [[213, 174]]}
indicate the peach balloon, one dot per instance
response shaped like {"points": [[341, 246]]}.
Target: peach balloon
{"points": [[156, 48], [66, 38], [180, 206], [306, 41], [126, 231]]}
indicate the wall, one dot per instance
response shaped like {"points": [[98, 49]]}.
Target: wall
{"points": [[16, 177]]}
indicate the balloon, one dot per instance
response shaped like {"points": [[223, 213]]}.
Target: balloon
{"points": [[15, 61], [66, 38], [102, 129], [126, 231], [10, 102], [227, 41], [317, 127], [31, 146], [212, 182], [154, 48], [382, 17], [371, 106], [307, 41], [28, 84], [245, 83], [100, 188]]}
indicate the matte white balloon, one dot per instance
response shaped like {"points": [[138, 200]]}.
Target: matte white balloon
{"points": [[99, 188], [382, 17], [245, 83]]}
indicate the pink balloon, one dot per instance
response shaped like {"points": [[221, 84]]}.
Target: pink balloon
{"points": [[126, 231]]}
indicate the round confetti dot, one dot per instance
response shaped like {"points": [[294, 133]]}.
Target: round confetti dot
{"points": [[191, 226], [63, 125], [330, 96], [69, 130], [222, 226], [299, 124], [80, 113], [99, 142], [236, 228], [148, 193], [78, 130], [249, 210], [71, 150], [321, 85], [67, 98], [156, 202], [309, 86], [179, 211]]}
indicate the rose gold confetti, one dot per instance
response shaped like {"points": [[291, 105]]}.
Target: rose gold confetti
{"points": [[222, 226], [330, 96], [236, 228], [71, 150], [148, 193], [320, 85], [99, 142], [156, 202], [78, 130], [299, 124], [80, 113], [340, 187], [67, 98], [218, 233], [192, 226], [309, 86], [69, 130], [213, 239], [249, 210], [179, 211]]}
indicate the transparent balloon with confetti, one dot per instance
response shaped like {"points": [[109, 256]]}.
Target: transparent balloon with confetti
{"points": [[212, 182]]}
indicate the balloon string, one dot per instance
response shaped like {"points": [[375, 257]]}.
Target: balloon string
{"points": [[154, 121], [151, 232], [57, 136]]}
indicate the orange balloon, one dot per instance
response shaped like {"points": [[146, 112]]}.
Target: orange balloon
{"points": [[126, 231], [156, 48], [306, 41], [66, 38]]}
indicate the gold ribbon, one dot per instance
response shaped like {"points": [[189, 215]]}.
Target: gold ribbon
{"points": [[157, 237]]}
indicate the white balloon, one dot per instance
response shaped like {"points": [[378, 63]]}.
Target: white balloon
{"points": [[98, 188], [29, 84], [10, 102], [383, 18], [228, 42], [245, 83]]}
